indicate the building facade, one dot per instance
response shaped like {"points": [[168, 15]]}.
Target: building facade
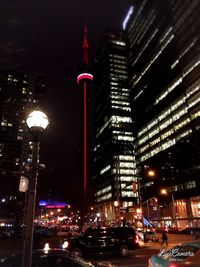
{"points": [[113, 152], [164, 80], [19, 93]]}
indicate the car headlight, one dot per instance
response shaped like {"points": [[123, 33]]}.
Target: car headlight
{"points": [[46, 247], [65, 244]]}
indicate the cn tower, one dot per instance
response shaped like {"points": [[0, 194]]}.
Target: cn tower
{"points": [[84, 79]]}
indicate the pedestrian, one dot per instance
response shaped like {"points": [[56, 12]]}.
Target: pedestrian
{"points": [[164, 238]]}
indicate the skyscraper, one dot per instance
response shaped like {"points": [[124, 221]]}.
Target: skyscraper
{"points": [[19, 92], [164, 80], [113, 152]]}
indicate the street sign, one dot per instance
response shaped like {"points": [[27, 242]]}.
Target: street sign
{"points": [[131, 209], [23, 184]]}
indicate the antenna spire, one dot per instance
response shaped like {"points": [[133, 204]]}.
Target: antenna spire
{"points": [[85, 46]]}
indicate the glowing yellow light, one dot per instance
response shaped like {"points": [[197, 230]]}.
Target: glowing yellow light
{"points": [[139, 211], [163, 191], [116, 203], [151, 173]]}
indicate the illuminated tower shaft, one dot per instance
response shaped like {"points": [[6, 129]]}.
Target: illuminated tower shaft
{"points": [[83, 79]]}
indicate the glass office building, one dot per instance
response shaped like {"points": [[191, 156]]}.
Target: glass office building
{"points": [[164, 81], [114, 162]]}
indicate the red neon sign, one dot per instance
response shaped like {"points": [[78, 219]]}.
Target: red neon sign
{"points": [[55, 206]]}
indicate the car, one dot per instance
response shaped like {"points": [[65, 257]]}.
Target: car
{"points": [[67, 233], [185, 254], [150, 236], [46, 258], [174, 230], [195, 232], [186, 231], [103, 240]]}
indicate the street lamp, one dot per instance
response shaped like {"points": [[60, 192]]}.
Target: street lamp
{"points": [[116, 203], [151, 173], [37, 122], [163, 191]]}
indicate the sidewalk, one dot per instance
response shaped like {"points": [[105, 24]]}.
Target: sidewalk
{"points": [[10, 244], [173, 239]]}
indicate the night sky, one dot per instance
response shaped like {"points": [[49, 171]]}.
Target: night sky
{"points": [[45, 36]]}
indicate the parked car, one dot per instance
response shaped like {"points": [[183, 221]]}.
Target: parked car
{"points": [[161, 229], [195, 232], [67, 233], [150, 236], [186, 254], [103, 240], [47, 258], [174, 230]]}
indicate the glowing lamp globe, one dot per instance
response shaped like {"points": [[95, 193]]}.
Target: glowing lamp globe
{"points": [[116, 203], [37, 119]]}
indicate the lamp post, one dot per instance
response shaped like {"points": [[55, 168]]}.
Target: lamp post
{"points": [[165, 192], [117, 203], [37, 122], [116, 207], [150, 173]]}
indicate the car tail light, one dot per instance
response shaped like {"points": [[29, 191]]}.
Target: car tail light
{"points": [[150, 263], [137, 239], [173, 265]]}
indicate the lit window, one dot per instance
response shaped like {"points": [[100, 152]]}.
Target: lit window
{"points": [[126, 158], [105, 169]]}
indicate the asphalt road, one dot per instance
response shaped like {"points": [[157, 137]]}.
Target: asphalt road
{"points": [[137, 258]]}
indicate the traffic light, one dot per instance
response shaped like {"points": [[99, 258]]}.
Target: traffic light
{"points": [[153, 201]]}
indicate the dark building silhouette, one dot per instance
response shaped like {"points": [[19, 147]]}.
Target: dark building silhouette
{"points": [[19, 93]]}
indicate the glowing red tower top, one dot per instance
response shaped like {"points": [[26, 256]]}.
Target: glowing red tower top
{"points": [[85, 73]]}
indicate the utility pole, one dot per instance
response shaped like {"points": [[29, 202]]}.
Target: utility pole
{"points": [[117, 167], [174, 211], [117, 181]]}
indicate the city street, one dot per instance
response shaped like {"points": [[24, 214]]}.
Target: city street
{"points": [[138, 257]]}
